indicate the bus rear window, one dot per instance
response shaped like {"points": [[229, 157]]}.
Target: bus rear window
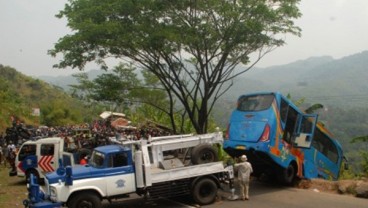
{"points": [[255, 102]]}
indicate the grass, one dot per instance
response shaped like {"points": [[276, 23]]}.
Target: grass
{"points": [[13, 190]]}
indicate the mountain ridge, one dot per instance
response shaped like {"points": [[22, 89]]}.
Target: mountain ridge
{"points": [[309, 78], [313, 78]]}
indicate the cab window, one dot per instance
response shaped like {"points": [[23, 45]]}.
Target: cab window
{"points": [[118, 160], [28, 149], [47, 149]]}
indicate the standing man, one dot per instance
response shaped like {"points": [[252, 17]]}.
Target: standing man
{"points": [[12, 151], [244, 169]]}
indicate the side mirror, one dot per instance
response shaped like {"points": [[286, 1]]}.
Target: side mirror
{"points": [[69, 176]]}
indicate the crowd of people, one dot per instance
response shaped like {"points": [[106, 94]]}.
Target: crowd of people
{"points": [[7, 155], [83, 136]]}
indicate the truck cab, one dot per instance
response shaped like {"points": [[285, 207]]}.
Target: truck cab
{"points": [[114, 164], [40, 157]]}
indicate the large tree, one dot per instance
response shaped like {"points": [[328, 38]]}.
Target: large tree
{"points": [[192, 46]]}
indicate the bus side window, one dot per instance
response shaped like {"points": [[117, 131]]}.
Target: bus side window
{"points": [[283, 110], [325, 146]]}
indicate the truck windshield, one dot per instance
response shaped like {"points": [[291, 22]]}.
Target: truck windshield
{"points": [[97, 159]]}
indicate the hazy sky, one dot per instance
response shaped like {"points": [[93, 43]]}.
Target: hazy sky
{"points": [[29, 28]]}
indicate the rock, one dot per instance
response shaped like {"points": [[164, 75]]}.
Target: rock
{"points": [[357, 188], [362, 189], [346, 186], [324, 185], [304, 184]]}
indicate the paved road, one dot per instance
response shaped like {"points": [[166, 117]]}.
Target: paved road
{"points": [[261, 196], [264, 196], [139, 202]]}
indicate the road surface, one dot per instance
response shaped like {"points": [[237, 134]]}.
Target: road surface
{"points": [[264, 196], [261, 196]]}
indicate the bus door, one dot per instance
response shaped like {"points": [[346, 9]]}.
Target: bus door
{"points": [[302, 141], [304, 130]]}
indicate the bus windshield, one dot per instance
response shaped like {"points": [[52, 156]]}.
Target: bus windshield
{"points": [[255, 102]]}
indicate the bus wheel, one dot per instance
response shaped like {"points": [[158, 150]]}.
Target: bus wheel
{"points": [[287, 175], [204, 191], [203, 153]]}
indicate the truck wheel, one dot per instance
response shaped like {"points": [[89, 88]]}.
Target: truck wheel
{"points": [[203, 153], [204, 191], [35, 175], [85, 200]]}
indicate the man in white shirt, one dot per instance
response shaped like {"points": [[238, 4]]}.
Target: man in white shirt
{"points": [[244, 169]]}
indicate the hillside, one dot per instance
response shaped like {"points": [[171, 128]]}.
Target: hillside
{"points": [[19, 94]]}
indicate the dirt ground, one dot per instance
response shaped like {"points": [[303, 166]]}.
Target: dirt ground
{"points": [[319, 185], [346, 187], [13, 190]]}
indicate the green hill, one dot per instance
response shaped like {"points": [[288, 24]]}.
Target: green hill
{"points": [[20, 94]]}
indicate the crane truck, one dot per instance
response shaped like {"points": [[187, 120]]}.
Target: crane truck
{"points": [[156, 167]]}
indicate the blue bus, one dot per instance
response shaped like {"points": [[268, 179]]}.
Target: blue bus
{"points": [[280, 140]]}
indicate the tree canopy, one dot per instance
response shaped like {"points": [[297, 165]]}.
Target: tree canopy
{"points": [[193, 47]]}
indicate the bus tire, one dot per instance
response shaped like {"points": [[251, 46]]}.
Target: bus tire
{"points": [[203, 153], [35, 175], [85, 199], [288, 175], [204, 191]]}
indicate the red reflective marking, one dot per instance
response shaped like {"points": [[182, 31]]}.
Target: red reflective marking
{"points": [[45, 165], [20, 167]]}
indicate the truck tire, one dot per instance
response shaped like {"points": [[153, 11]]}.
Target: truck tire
{"points": [[204, 191], [203, 153], [85, 200]]}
